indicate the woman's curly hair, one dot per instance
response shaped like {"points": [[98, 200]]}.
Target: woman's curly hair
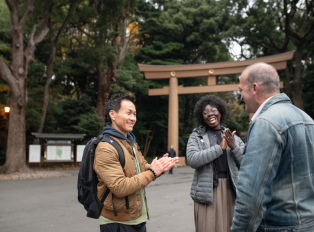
{"points": [[213, 101]]}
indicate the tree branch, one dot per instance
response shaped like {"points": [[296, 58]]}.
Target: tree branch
{"points": [[309, 7], [98, 4], [44, 29], [143, 13], [42, 33], [310, 27], [78, 27], [289, 16], [273, 43], [66, 21], [14, 12], [284, 47], [7, 76], [77, 40], [295, 37], [34, 39], [29, 9]]}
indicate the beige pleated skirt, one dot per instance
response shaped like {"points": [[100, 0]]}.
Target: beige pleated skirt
{"points": [[217, 217]]}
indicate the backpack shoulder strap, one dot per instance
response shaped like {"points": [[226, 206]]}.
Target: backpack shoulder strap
{"points": [[111, 141]]}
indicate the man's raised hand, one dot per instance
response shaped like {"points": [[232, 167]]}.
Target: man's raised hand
{"points": [[158, 166], [169, 162], [163, 164]]}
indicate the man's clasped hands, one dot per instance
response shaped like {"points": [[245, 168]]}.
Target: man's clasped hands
{"points": [[163, 164]]}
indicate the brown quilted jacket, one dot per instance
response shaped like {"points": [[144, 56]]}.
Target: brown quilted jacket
{"points": [[121, 183]]}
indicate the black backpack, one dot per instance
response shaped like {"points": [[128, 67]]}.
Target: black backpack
{"points": [[87, 178]]}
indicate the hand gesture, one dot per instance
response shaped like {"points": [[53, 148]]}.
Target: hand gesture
{"points": [[223, 144], [164, 164], [229, 137], [171, 163], [158, 166]]}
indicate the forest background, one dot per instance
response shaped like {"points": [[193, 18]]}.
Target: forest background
{"points": [[61, 60]]}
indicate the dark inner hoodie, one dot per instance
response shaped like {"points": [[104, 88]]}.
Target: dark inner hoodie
{"points": [[109, 130]]}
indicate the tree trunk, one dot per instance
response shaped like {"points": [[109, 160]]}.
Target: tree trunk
{"points": [[288, 82], [15, 76], [15, 155], [297, 82], [101, 94], [105, 82]]}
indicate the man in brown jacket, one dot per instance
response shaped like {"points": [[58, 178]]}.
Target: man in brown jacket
{"points": [[125, 208]]}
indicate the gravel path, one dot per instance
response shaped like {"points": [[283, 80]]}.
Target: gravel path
{"points": [[33, 175]]}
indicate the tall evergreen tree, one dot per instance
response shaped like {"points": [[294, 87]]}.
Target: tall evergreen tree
{"points": [[270, 27]]}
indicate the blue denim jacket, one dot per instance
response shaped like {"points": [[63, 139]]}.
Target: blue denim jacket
{"points": [[275, 189]]}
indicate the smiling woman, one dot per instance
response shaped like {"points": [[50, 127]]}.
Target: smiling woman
{"points": [[205, 104], [215, 153]]}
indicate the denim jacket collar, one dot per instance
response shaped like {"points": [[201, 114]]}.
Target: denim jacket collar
{"points": [[275, 99]]}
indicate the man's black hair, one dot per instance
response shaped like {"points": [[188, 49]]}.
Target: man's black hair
{"points": [[212, 101], [114, 103]]}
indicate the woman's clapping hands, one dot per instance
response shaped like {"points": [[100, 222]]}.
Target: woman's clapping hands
{"points": [[229, 138]]}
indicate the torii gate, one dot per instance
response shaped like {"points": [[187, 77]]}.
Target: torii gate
{"points": [[173, 72]]}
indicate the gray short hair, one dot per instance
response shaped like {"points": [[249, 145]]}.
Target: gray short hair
{"points": [[264, 75]]}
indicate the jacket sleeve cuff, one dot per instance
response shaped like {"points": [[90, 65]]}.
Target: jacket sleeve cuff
{"points": [[149, 177], [235, 151]]}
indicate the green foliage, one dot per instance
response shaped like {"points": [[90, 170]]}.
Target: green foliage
{"points": [[257, 27], [160, 53], [264, 28], [308, 92], [89, 124], [34, 108], [188, 31], [5, 32], [243, 119], [68, 113]]}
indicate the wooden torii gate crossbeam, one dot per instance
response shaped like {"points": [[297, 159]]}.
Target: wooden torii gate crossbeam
{"points": [[173, 72]]}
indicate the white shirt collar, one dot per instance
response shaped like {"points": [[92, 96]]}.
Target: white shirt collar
{"points": [[260, 109]]}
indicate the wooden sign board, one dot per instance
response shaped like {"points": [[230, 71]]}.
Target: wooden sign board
{"points": [[59, 153], [79, 152], [34, 153]]}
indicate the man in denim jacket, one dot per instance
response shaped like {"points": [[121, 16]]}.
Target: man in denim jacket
{"points": [[275, 189]]}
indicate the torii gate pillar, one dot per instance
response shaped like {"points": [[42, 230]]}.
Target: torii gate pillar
{"points": [[173, 117]]}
